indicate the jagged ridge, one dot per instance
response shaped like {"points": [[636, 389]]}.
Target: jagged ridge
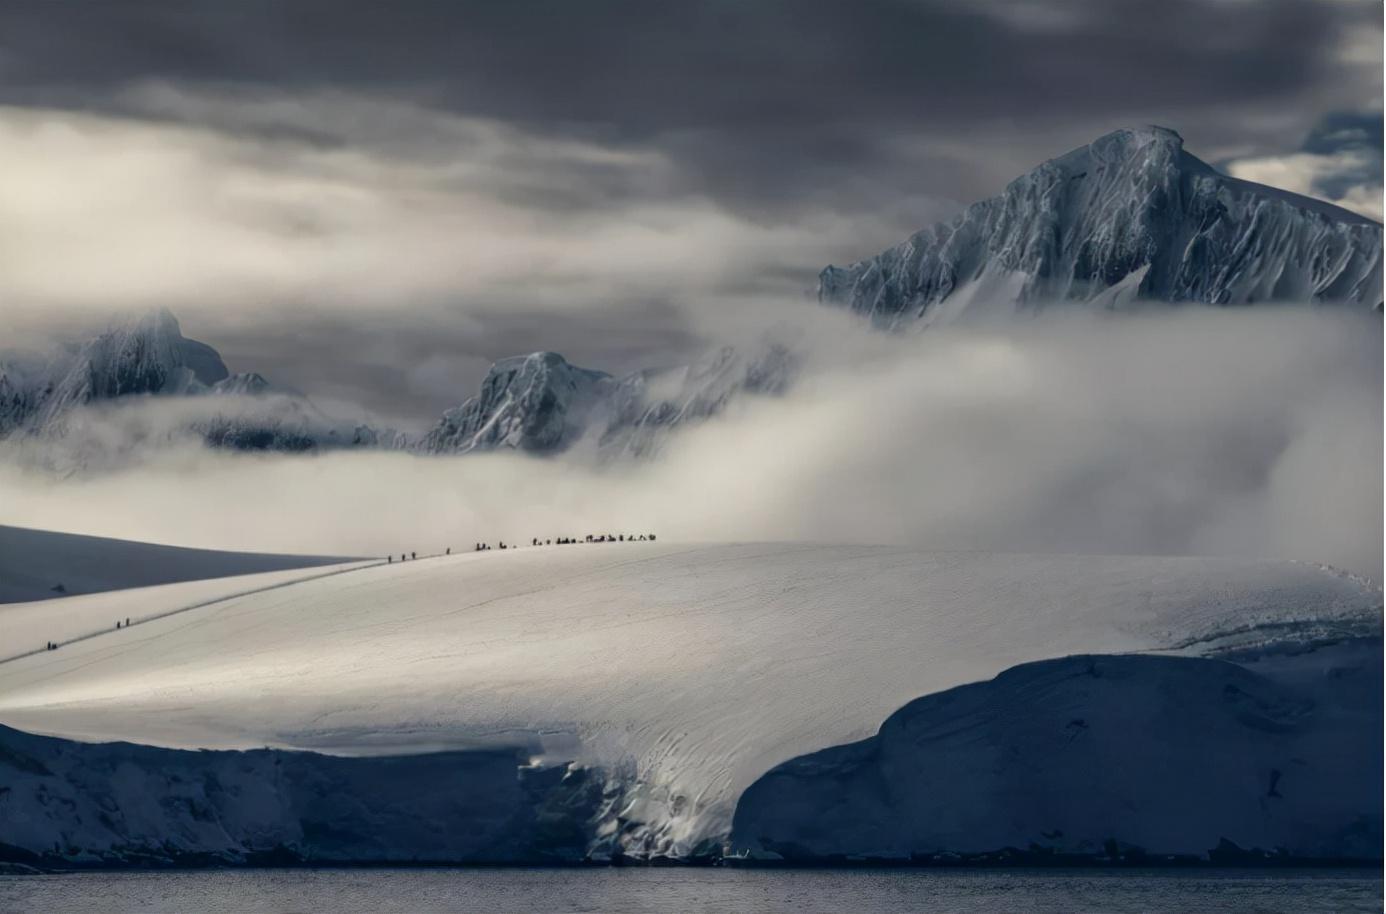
{"points": [[1131, 215], [542, 404], [146, 355], [537, 404]]}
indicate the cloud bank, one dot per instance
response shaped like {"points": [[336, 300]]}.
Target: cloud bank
{"points": [[391, 271], [763, 107], [431, 186], [1252, 432], [1340, 161]]}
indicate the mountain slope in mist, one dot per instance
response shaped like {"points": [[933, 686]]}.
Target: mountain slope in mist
{"points": [[142, 354], [536, 403], [681, 672], [69, 404], [1173, 431], [1131, 216], [542, 404]]}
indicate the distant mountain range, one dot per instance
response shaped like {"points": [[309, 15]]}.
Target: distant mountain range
{"points": [[538, 403], [1129, 217]]}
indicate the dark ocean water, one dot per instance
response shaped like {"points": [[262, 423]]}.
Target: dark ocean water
{"points": [[691, 891]]}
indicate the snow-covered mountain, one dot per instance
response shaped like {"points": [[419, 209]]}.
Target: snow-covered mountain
{"points": [[1130, 216], [84, 401], [542, 404], [246, 383], [20, 396], [535, 403], [647, 405], [144, 353]]}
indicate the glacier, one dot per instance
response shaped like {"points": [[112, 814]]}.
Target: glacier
{"points": [[674, 676], [1130, 217]]}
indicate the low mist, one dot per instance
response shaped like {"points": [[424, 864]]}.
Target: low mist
{"points": [[1247, 432]]}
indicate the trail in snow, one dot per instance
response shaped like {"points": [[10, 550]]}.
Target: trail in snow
{"points": [[123, 625], [49, 565], [686, 671]]}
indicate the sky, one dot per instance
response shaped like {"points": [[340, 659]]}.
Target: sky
{"points": [[371, 202]]}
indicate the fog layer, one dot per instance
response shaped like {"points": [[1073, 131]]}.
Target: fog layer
{"points": [[1187, 431]]}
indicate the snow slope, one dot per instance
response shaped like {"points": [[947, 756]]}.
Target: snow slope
{"points": [[1130, 216], [1167, 754], [684, 672], [35, 562], [26, 628]]}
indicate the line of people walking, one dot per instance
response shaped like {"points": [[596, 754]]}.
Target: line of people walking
{"points": [[536, 541], [569, 540], [53, 645], [480, 547]]}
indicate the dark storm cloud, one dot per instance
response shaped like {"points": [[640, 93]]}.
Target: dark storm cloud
{"points": [[373, 200], [1339, 160], [1355, 134], [760, 103]]}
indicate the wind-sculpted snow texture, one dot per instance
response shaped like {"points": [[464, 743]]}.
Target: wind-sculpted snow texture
{"points": [[681, 673], [1130, 216], [44, 565], [1084, 755]]}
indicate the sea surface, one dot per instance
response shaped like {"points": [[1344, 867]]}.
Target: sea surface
{"points": [[691, 891]]}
